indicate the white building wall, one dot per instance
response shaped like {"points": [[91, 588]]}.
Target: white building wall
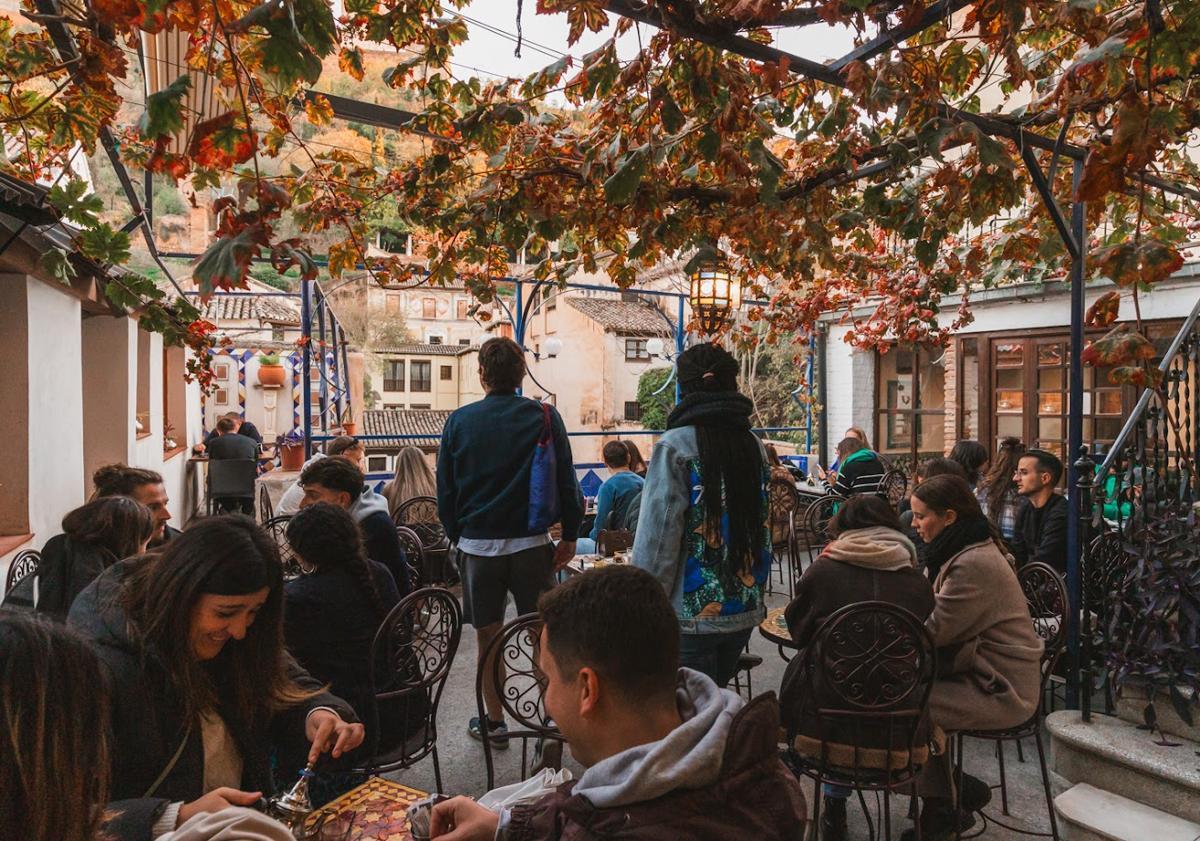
{"points": [[849, 388]]}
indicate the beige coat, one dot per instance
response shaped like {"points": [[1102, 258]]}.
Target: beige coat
{"points": [[989, 656]]}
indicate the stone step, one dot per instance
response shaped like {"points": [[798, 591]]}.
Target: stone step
{"points": [[1115, 756], [1087, 813], [1132, 703]]}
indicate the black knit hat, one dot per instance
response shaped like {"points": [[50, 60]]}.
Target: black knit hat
{"points": [[707, 367]]}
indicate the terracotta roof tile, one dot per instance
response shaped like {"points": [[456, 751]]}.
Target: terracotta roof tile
{"points": [[426, 423], [626, 318]]}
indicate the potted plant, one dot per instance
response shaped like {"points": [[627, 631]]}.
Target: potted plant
{"points": [[168, 436], [270, 371], [291, 450], [348, 425]]}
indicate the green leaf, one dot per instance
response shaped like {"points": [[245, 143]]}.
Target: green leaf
{"points": [[623, 183], [164, 109], [58, 265], [104, 244], [227, 261], [672, 118], [770, 168], [709, 145], [75, 203]]}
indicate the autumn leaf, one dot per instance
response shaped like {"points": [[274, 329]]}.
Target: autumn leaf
{"points": [[1144, 264], [318, 109], [585, 14], [164, 109], [289, 253], [222, 142], [1121, 346], [75, 203], [1104, 311], [623, 183], [350, 61], [227, 261], [104, 244]]}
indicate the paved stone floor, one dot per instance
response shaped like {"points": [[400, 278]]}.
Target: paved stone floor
{"points": [[463, 770]]}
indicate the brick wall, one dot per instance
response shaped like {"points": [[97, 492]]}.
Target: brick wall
{"points": [[951, 385]]}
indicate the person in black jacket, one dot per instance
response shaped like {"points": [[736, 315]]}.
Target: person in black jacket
{"points": [[241, 427], [144, 486], [1041, 530], [203, 690], [339, 482], [859, 469], [331, 615], [95, 536]]}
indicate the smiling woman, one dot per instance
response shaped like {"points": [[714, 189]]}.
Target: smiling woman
{"points": [[204, 689]]}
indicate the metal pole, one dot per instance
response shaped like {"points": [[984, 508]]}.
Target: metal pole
{"points": [[1085, 471], [823, 399], [808, 378], [680, 341], [519, 327], [1075, 437], [306, 366], [322, 361], [338, 399], [346, 369]]}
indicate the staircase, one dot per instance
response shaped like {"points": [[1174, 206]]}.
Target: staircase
{"points": [[1140, 584]]}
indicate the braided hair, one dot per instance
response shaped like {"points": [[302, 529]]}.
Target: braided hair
{"points": [[325, 536]]}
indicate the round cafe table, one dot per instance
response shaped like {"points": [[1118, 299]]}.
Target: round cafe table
{"points": [[775, 629]]}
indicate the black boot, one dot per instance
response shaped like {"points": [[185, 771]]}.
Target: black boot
{"points": [[940, 822], [833, 819], [975, 793]]}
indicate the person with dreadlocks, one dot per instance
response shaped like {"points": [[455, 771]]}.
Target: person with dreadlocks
{"points": [[706, 493]]}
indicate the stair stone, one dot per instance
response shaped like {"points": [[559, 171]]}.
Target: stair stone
{"points": [[1087, 813], [1113, 755]]}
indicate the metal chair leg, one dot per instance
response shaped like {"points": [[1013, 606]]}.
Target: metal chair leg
{"points": [[817, 789], [958, 775], [1037, 735], [887, 815], [437, 768], [1020, 752], [1003, 781]]}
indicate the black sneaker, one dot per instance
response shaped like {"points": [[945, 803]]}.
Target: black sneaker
{"points": [[975, 793], [497, 732], [833, 819]]}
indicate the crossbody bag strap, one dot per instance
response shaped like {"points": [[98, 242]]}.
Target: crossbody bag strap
{"points": [[171, 763]]}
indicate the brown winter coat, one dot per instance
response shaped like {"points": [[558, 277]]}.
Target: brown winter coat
{"points": [[989, 656], [755, 797]]}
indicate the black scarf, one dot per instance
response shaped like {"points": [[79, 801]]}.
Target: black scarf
{"points": [[953, 539], [727, 410]]}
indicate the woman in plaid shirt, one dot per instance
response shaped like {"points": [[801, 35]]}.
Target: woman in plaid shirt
{"points": [[997, 493]]}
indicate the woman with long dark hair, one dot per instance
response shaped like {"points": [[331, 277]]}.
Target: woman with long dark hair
{"points": [[637, 464], [204, 691], [95, 536], [706, 494], [997, 493], [330, 618], [989, 656], [973, 457]]}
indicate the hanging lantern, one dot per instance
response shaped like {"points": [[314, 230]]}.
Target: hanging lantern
{"points": [[715, 294]]}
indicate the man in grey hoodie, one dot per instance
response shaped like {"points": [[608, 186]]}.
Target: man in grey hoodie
{"points": [[668, 754]]}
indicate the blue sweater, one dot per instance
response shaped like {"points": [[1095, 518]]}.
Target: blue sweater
{"points": [[614, 489], [484, 464]]}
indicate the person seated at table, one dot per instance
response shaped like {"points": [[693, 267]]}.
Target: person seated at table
{"points": [[937, 466], [617, 496], [95, 536], [227, 446], [141, 485], [868, 559], [1041, 528], [637, 464], [241, 427], [413, 479], [344, 446], [988, 653], [706, 514], [973, 457], [859, 470], [779, 470], [54, 780], [191, 641], [997, 493], [338, 481], [668, 754], [330, 618]]}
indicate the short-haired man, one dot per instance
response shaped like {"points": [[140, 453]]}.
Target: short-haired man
{"points": [[242, 427], [144, 486], [228, 445], [619, 492], [484, 470], [859, 470], [1041, 529], [338, 481], [668, 754]]}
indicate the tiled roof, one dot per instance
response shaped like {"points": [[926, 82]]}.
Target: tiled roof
{"points": [[263, 308], [417, 348], [427, 423], [626, 318]]}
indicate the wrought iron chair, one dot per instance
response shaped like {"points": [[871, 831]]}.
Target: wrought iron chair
{"points": [[266, 509], [873, 664], [816, 523], [783, 503], [232, 480], [420, 514], [892, 487], [410, 542], [24, 564], [511, 661], [411, 657], [1046, 594], [277, 528], [610, 541]]}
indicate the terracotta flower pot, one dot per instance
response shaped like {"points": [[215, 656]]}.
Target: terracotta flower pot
{"points": [[291, 456], [271, 375], [349, 428]]}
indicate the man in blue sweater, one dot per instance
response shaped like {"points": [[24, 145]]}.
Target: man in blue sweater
{"points": [[617, 495], [483, 477]]}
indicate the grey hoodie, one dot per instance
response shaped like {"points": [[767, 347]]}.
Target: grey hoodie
{"points": [[364, 506]]}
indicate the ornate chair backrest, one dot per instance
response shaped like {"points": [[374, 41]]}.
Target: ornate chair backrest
{"points": [[266, 510], [892, 487], [421, 515], [277, 528], [410, 542], [784, 500], [24, 564], [816, 522], [1046, 595], [411, 655]]}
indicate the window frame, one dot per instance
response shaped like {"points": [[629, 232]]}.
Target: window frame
{"points": [[423, 383], [639, 345], [390, 383]]}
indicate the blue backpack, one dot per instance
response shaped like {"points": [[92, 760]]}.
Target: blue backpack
{"points": [[543, 479]]}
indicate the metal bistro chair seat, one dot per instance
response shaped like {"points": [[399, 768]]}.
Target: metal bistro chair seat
{"points": [[420, 515], [1046, 594], [868, 671], [511, 661], [411, 656], [277, 528], [231, 478]]}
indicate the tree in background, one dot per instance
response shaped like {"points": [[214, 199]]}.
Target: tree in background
{"points": [[656, 402]]}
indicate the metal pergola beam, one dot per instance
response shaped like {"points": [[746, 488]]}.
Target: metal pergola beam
{"points": [[371, 114], [890, 38]]}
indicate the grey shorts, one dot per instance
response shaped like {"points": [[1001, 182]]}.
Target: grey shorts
{"points": [[487, 581]]}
